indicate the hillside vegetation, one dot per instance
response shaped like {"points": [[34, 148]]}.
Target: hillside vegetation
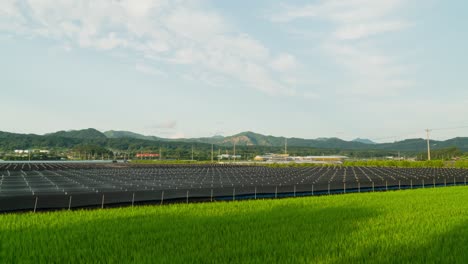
{"points": [[248, 144]]}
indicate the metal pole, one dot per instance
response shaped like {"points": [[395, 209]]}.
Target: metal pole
{"points": [[255, 193], [35, 205], [162, 197], [312, 189], [69, 202], [102, 204], [344, 187], [234, 194], [211, 196], [428, 145], [276, 191], [294, 190], [133, 199], [187, 196]]}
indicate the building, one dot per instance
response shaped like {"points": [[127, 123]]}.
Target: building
{"points": [[147, 155], [229, 156], [285, 158]]}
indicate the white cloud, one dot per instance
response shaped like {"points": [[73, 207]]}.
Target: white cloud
{"points": [[284, 62], [148, 69], [351, 42], [181, 32], [362, 30]]}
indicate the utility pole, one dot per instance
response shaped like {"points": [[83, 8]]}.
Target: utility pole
{"points": [[428, 145]]}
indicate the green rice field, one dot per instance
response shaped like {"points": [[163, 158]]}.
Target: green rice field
{"points": [[413, 226]]}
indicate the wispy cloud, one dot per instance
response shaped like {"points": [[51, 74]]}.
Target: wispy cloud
{"points": [[141, 67], [355, 27], [175, 33], [170, 124]]}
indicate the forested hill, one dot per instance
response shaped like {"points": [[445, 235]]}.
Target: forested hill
{"points": [[124, 140], [254, 139]]}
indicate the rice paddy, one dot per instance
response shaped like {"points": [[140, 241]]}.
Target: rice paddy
{"points": [[411, 226]]}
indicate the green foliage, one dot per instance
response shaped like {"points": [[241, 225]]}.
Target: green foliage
{"points": [[398, 164], [254, 144], [418, 226], [89, 133], [442, 154], [92, 150], [461, 164]]}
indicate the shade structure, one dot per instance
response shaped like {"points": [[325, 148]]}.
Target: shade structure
{"points": [[44, 186]]}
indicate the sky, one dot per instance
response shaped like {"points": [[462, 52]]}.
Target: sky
{"points": [[379, 69]]}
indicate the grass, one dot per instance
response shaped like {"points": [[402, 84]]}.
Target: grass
{"points": [[417, 226]]}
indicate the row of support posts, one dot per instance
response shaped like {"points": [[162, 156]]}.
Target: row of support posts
{"points": [[276, 192]]}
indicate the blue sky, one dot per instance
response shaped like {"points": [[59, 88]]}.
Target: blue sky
{"points": [[384, 70]]}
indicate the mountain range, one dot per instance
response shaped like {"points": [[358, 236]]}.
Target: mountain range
{"points": [[93, 136]]}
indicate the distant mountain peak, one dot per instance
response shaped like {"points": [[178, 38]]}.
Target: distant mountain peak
{"points": [[364, 140], [128, 134]]}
